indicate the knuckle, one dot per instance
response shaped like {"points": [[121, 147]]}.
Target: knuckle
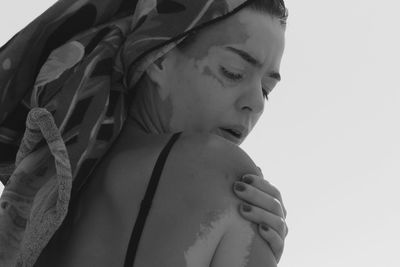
{"points": [[276, 192], [274, 189], [284, 211], [276, 207], [281, 226]]}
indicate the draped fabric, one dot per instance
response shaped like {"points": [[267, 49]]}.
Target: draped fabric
{"points": [[65, 82]]}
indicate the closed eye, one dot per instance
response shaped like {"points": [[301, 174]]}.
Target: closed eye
{"points": [[231, 75], [237, 76]]}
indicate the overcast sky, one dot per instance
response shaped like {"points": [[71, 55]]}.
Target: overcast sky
{"points": [[329, 139]]}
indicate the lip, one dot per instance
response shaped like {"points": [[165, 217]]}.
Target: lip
{"points": [[242, 131]]}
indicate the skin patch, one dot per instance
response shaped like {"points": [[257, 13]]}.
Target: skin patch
{"points": [[163, 95], [208, 72], [203, 65], [191, 91], [210, 234], [151, 110], [194, 68], [220, 34]]}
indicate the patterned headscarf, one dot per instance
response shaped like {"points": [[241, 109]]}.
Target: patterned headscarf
{"points": [[64, 82]]}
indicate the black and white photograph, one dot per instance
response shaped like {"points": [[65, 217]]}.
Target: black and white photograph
{"points": [[199, 133]]}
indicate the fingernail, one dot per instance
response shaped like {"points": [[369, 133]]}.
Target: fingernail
{"points": [[240, 187], [264, 227], [246, 207], [247, 179]]}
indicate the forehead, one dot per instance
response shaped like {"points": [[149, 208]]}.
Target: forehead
{"points": [[256, 32]]}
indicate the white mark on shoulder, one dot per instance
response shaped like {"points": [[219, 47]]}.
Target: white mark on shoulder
{"points": [[210, 234]]}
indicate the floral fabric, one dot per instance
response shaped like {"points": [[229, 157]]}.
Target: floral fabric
{"points": [[65, 81]]}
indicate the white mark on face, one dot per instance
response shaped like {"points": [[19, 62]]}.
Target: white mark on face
{"points": [[195, 76], [208, 61], [210, 234]]}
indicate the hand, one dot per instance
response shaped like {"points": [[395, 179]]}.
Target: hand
{"points": [[263, 206]]}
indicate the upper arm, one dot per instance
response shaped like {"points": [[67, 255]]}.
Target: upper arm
{"points": [[216, 164]]}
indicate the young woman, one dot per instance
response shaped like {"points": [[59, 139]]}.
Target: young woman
{"points": [[196, 103]]}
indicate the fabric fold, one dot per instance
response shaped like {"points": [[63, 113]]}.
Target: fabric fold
{"points": [[30, 214]]}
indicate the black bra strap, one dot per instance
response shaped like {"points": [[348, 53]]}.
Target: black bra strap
{"points": [[145, 205]]}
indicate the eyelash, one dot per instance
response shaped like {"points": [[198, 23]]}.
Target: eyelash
{"points": [[237, 76]]}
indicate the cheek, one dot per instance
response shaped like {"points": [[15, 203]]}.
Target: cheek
{"points": [[196, 96], [207, 71], [199, 81]]}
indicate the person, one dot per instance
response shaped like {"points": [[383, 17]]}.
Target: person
{"points": [[197, 99]]}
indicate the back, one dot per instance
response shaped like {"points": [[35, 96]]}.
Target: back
{"points": [[192, 210]]}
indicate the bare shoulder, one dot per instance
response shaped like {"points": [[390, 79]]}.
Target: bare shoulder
{"points": [[206, 167], [194, 210], [216, 153]]}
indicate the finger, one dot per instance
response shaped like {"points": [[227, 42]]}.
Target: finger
{"points": [[265, 186], [260, 216], [258, 198], [274, 240]]}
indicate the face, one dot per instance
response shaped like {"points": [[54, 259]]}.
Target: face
{"points": [[218, 84]]}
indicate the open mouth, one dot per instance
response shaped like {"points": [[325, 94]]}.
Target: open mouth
{"points": [[232, 132]]}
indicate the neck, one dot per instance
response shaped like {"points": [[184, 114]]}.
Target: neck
{"points": [[145, 112]]}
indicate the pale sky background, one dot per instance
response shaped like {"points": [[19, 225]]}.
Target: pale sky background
{"points": [[329, 139]]}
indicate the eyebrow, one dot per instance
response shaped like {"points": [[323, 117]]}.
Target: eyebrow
{"points": [[250, 59]]}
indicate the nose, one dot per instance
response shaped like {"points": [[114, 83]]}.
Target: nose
{"points": [[252, 100]]}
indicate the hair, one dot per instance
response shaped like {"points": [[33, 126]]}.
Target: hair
{"points": [[274, 8]]}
